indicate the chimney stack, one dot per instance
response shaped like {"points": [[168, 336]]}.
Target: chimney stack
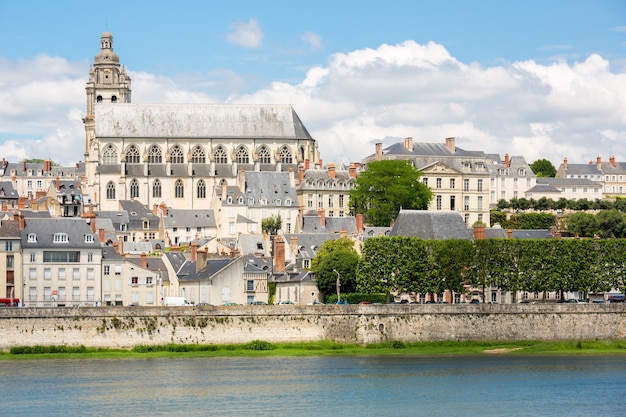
{"points": [[565, 163], [47, 166], [379, 151], [352, 170], [507, 161], [144, 260], [450, 144], [163, 207], [322, 215], [408, 143], [612, 161], [359, 223], [194, 251], [599, 162], [279, 253], [300, 174], [307, 164], [101, 234], [331, 170], [479, 232]]}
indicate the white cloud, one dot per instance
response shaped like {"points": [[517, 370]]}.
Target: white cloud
{"points": [[247, 34], [575, 110], [313, 40]]}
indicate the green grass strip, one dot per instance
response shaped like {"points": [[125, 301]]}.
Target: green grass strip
{"points": [[326, 348]]}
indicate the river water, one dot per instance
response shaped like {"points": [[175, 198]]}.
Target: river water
{"points": [[490, 385]]}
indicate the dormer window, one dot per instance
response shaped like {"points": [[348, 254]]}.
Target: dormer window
{"points": [[89, 239], [60, 238], [240, 200], [32, 237], [146, 224]]}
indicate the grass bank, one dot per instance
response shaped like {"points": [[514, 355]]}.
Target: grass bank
{"points": [[326, 348]]}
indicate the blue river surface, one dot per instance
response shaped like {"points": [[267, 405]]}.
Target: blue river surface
{"points": [[489, 385]]}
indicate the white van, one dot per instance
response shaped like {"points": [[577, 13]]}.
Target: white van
{"points": [[176, 301]]}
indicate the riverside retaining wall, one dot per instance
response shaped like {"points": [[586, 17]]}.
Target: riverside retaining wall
{"points": [[125, 327]]}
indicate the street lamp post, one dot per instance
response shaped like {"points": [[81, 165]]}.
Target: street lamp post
{"points": [[338, 285]]}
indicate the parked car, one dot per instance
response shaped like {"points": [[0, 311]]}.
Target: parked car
{"points": [[315, 303], [286, 302], [258, 303], [229, 304], [574, 301], [204, 304]]}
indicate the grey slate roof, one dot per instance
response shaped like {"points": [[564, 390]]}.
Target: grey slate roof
{"points": [[182, 266], [45, 229], [212, 267], [7, 191], [137, 213], [568, 182], [198, 121], [250, 244], [313, 224], [9, 229], [270, 186], [189, 218], [309, 244], [431, 225]]}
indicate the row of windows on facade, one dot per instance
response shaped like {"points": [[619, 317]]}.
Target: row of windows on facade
{"points": [[179, 192], [331, 201], [60, 294], [60, 238], [466, 203], [198, 155], [60, 257]]}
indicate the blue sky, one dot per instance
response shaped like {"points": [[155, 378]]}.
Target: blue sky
{"points": [[534, 78]]}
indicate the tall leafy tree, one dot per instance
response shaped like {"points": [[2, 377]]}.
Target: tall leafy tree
{"points": [[272, 224], [385, 187], [340, 264], [330, 246], [393, 265], [543, 168], [582, 224]]}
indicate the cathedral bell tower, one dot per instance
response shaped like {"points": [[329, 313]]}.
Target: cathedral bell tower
{"points": [[108, 83]]}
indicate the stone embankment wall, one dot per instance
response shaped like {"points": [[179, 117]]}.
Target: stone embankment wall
{"points": [[125, 327]]}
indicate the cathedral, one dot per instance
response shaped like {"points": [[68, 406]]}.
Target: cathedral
{"points": [[179, 154]]}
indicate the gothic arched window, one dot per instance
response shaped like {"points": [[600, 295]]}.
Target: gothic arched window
{"points": [[220, 155], [176, 156], [132, 155], [241, 155], [179, 189], [198, 156], [156, 189], [134, 188], [201, 189], [154, 155], [264, 156], [110, 191], [285, 155], [109, 155]]}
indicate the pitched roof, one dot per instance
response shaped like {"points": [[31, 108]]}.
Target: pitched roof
{"points": [[431, 225], [189, 218], [45, 230], [199, 121]]}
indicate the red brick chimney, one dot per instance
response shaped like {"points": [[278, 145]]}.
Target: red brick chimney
{"points": [[155, 209], [58, 183], [322, 215], [194, 251], [22, 221], [47, 165], [479, 232], [507, 161], [279, 253], [352, 170], [4, 163], [306, 164], [359, 223], [300, 174], [450, 144], [101, 235], [379, 152], [408, 143], [24, 165], [164, 209], [144, 260], [331, 170]]}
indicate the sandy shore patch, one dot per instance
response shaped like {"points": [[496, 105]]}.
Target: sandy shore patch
{"points": [[501, 350]]}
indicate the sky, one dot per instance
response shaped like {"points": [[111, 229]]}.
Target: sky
{"points": [[538, 79]]}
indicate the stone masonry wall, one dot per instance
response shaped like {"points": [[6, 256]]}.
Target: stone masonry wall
{"points": [[125, 327]]}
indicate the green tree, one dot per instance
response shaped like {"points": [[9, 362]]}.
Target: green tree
{"points": [[611, 224], [340, 264], [543, 168], [272, 224], [329, 247], [385, 187], [393, 265], [582, 224]]}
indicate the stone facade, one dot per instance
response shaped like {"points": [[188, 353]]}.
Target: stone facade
{"points": [[119, 327]]}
